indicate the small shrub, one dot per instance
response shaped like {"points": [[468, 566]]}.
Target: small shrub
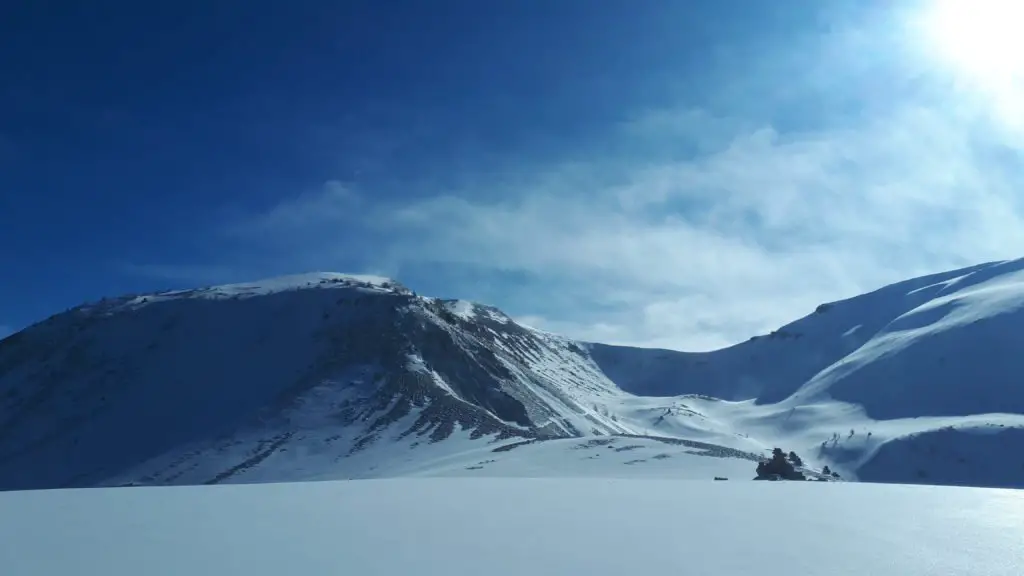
{"points": [[796, 460]]}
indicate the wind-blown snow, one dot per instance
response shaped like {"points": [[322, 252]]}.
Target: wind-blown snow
{"points": [[501, 527], [463, 309]]}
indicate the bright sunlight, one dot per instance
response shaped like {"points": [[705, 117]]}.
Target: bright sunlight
{"points": [[980, 37], [981, 42]]}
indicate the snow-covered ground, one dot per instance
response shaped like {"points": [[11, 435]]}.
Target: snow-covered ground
{"points": [[451, 527], [603, 457]]}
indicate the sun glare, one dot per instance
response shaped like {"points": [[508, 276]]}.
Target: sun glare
{"points": [[981, 42], [981, 38]]}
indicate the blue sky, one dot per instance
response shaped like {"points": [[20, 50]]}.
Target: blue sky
{"points": [[672, 173]]}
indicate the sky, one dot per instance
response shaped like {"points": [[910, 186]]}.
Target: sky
{"points": [[680, 174]]}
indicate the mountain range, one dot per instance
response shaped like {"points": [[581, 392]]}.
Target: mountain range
{"points": [[333, 376]]}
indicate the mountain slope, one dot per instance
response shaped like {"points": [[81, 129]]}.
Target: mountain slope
{"points": [[919, 365], [327, 376], [965, 337], [98, 391], [771, 367]]}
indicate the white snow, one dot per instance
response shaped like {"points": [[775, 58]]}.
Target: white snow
{"points": [[453, 527], [366, 282], [608, 457], [463, 309], [926, 359], [301, 281]]}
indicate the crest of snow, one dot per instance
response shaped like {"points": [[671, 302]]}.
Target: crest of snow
{"points": [[494, 314], [310, 280], [462, 308], [364, 282], [944, 284]]}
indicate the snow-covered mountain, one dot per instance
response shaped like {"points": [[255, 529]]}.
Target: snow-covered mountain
{"points": [[920, 381], [326, 376], [206, 385]]}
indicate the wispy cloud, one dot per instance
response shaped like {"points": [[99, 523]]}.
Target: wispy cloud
{"points": [[693, 229], [311, 210], [705, 251]]}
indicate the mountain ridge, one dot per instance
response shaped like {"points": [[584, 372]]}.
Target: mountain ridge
{"points": [[327, 375]]}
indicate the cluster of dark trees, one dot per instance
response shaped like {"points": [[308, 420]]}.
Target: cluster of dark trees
{"points": [[783, 466], [780, 467]]}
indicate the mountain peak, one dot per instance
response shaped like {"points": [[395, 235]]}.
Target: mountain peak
{"points": [[306, 281]]}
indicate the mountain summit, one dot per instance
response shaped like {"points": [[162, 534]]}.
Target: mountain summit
{"points": [[343, 376], [250, 370]]}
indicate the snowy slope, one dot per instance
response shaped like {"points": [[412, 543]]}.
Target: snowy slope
{"points": [[965, 337], [500, 527], [330, 376], [923, 364], [774, 366], [280, 379]]}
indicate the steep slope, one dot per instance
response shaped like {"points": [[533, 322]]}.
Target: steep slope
{"points": [[771, 367], [957, 353], [204, 385]]}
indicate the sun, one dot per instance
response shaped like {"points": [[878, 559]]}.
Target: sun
{"points": [[981, 43], [981, 39]]}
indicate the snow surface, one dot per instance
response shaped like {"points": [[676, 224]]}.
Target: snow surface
{"points": [[267, 286], [451, 527], [296, 281], [605, 457]]}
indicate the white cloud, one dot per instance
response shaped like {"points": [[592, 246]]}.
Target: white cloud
{"points": [[690, 229], [712, 250], [327, 205], [708, 251]]}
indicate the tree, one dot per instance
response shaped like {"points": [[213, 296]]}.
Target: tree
{"points": [[796, 460], [777, 468], [826, 471]]}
